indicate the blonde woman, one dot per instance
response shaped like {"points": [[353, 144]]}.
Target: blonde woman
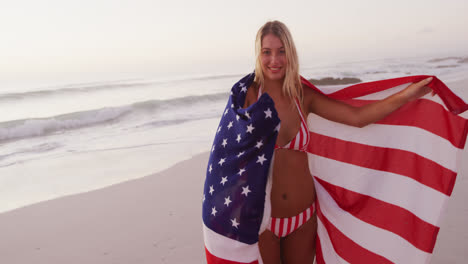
{"points": [[293, 194]]}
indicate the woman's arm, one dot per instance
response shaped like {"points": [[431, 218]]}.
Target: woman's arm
{"points": [[361, 116]]}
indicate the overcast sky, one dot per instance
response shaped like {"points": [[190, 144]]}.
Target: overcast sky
{"points": [[138, 35]]}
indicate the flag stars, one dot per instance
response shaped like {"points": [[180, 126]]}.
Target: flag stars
{"points": [[223, 180], [213, 211], [230, 125], [225, 112], [219, 129], [232, 105], [203, 200], [235, 223], [241, 171], [238, 139], [211, 190], [261, 159], [227, 201], [247, 114], [243, 87], [211, 168], [237, 117], [221, 161], [246, 191], [213, 148], [250, 128], [224, 142], [240, 154], [259, 144], [268, 113]]}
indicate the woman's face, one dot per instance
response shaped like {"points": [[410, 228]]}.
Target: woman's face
{"points": [[273, 58]]}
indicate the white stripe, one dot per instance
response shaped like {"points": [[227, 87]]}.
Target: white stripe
{"points": [[229, 249], [300, 219], [308, 213], [328, 252], [407, 138], [285, 227], [402, 191], [293, 223], [277, 224], [377, 240]]}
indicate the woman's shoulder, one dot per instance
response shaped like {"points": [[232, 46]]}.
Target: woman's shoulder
{"points": [[310, 96]]}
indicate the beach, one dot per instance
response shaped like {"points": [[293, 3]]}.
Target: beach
{"points": [[156, 218]]}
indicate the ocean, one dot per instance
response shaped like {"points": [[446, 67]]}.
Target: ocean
{"points": [[63, 138]]}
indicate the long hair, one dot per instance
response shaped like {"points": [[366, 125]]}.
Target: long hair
{"points": [[292, 86]]}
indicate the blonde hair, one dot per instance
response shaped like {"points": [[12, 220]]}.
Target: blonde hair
{"points": [[292, 86]]}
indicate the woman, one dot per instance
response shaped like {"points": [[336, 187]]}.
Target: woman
{"points": [[292, 229]]}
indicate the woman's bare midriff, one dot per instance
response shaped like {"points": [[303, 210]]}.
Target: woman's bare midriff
{"points": [[293, 187]]}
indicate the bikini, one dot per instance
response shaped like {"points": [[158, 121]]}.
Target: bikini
{"points": [[282, 227]]}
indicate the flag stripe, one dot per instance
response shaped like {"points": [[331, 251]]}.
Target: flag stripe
{"points": [[327, 251], [390, 217], [422, 201], [318, 250], [346, 248], [396, 161], [407, 138], [390, 245], [427, 115], [229, 249]]}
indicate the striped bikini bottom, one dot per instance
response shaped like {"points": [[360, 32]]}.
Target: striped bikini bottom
{"points": [[282, 227]]}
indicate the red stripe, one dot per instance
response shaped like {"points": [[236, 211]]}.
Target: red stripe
{"points": [[318, 251], [297, 223], [348, 249], [396, 161], [273, 224], [390, 217], [288, 230], [427, 115], [212, 259], [280, 232]]}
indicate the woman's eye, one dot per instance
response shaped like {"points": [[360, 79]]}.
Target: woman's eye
{"points": [[266, 52], [282, 51]]}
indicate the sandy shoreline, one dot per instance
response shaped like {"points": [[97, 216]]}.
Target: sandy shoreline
{"points": [[157, 219]]}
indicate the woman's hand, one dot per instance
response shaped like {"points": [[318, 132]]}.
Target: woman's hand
{"points": [[416, 90]]}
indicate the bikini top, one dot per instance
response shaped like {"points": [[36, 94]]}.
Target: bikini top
{"points": [[301, 140]]}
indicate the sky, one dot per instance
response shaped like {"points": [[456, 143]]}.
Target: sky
{"points": [[130, 36]]}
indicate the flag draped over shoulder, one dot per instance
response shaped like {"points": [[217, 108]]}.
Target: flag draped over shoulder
{"points": [[235, 189], [380, 189]]}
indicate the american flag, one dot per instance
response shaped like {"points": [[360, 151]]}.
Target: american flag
{"points": [[380, 189]]}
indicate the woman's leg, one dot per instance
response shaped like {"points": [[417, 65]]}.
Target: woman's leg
{"points": [[299, 246], [269, 245]]}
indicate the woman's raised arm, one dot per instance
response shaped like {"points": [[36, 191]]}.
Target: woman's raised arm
{"points": [[361, 116]]}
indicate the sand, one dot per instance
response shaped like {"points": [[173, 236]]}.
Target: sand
{"points": [[157, 219]]}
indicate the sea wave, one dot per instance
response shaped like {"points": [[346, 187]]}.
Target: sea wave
{"points": [[90, 87], [18, 129]]}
